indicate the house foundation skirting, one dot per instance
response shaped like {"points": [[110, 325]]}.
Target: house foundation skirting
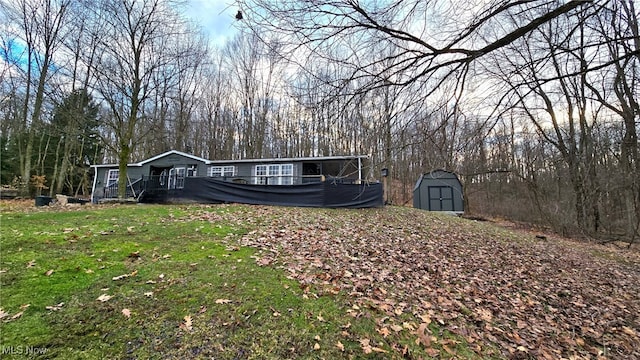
{"points": [[322, 194]]}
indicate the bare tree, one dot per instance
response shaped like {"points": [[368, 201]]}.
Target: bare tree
{"points": [[571, 79], [617, 26], [214, 112], [39, 26], [134, 45], [559, 109], [254, 70], [73, 119], [432, 40]]}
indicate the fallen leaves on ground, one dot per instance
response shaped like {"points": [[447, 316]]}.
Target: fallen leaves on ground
{"points": [[17, 315], [55, 307], [5, 315], [104, 298], [187, 323], [124, 276], [366, 346], [423, 335], [545, 298]]}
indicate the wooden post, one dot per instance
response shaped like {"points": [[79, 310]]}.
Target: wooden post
{"points": [[385, 190]]}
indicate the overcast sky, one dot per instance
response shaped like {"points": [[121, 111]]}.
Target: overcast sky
{"points": [[216, 17]]}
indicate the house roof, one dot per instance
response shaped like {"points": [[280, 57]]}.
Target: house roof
{"points": [[167, 153], [215, 162], [193, 157], [290, 159]]}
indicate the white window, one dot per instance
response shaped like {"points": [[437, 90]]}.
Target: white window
{"points": [[274, 174], [222, 171], [274, 170], [192, 170], [260, 174], [112, 176], [286, 173]]}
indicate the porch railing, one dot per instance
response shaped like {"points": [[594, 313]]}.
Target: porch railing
{"points": [[168, 182], [133, 189], [156, 183]]}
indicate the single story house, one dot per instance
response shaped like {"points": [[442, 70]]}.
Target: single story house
{"points": [[174, 176], [439, 190]]}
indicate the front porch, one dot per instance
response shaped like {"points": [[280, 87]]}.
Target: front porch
{"points": [[317, 191]]}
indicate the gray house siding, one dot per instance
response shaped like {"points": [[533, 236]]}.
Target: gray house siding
{"points": [[439, 190], [244, 170]]}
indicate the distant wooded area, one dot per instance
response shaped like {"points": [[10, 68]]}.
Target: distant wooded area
{"points": [[533, 103]]}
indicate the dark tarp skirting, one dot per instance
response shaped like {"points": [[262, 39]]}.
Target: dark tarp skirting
{"points": [[325, 194]]}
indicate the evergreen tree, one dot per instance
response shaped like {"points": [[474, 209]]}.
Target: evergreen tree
{"points": [[75, 128]]}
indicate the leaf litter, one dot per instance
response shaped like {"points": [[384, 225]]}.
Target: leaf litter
{"points": [[496, 289]]}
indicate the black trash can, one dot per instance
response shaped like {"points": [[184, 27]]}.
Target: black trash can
{"points": [[43, 200]]}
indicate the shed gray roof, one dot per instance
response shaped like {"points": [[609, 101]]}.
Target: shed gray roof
{"points": [[435, 175]]}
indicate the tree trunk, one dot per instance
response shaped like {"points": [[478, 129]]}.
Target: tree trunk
{"points": [[64, 165], [56, 169], [123, 160]]}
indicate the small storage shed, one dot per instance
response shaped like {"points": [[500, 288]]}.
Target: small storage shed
{"points": [[439, 190]]}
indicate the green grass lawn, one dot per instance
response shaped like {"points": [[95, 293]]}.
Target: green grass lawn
{"points": [[257, 282], [147, 281]]}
